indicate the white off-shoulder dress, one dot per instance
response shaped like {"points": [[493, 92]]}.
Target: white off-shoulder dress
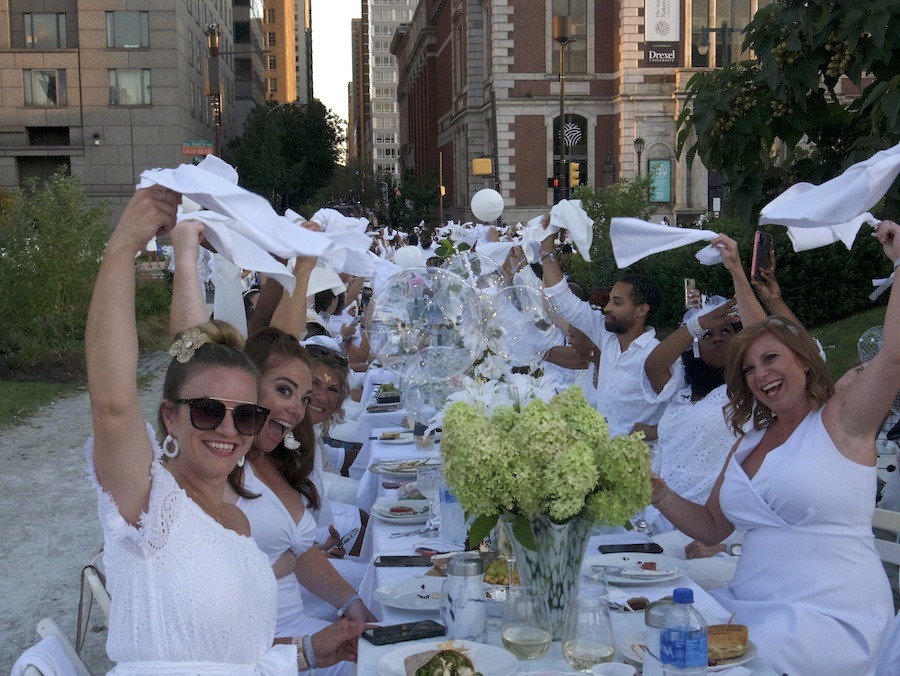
{"points": [[189, 596], [809, 585]]}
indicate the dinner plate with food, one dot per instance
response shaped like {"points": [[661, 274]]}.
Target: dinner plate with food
{"points": [[415, 593], [433, 658], [404, 467], [729, 646], [400, 511], [629, 568], [397, 438]]}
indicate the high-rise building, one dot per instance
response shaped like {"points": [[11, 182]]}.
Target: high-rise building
{"points": [[481, 78], [303, 59], [108, 89]]}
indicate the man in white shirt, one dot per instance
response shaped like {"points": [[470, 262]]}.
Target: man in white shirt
{"points": [[621, 333]]}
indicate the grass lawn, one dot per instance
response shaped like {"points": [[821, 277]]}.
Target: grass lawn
{"points": [[18, 400], [840, 339]]}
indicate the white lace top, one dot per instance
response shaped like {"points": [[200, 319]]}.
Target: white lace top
{"points": [[185, 589]]}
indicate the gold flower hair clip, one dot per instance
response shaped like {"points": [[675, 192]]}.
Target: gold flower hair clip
{"points": [[183, 348]]}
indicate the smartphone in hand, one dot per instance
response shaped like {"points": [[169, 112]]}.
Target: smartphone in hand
{"points": [[690, 285], [408, 631], [340, 543], [762, 248]]}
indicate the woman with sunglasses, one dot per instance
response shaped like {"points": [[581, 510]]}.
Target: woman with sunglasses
{"points": [[809, 583], [183, 578]]}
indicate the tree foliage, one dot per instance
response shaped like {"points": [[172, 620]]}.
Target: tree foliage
{"points": [[287, 152], [417, 201], [780, 118], [353, 184]]}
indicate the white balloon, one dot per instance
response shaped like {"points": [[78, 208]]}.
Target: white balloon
{"points": [[408, 257], [487, 205]]}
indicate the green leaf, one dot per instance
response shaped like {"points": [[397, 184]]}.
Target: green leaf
{"points": [[442, 252], [482, 527], [521, 529], [463, 246]]}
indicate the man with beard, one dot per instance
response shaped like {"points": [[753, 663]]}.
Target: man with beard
{"points": [[620, 331]]}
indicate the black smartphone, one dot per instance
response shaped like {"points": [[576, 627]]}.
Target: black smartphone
{"points": [[402, 561], [408, 631], [340, 543], [762, 247], [637, 548]]}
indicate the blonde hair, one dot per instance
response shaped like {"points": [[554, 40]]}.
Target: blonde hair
{"points": [[742, 405]]}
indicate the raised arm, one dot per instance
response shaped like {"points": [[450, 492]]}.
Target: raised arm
{"points": [[748, 305], [122, 452], [188, 302], [290, 315], [855, 413], [769, 292]]}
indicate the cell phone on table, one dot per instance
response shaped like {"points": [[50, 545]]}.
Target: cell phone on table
{"points": [[340, 543], [636, 548], [762, 248], [402, 561], [408, 631]]}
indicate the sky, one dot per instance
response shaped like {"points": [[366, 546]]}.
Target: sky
{"points": [[332, 59]]}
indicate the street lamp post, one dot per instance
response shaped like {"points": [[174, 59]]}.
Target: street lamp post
{"points": [[639, 149], [214, 83], [562, 33]]}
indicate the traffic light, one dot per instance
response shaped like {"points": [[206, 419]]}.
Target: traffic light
{"points": [[574, 174], [553, 182]]}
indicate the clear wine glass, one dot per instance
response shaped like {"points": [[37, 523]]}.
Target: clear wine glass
{"points": [[428, 481], [525, 629], [640, 523], [588, 637]]}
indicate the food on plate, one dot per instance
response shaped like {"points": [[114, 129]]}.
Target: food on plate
{"points": [[648, 565], [726, 641], [497, 572], [387, 436], [384, 388], [400, 509], [637, 602], [446, 662]]}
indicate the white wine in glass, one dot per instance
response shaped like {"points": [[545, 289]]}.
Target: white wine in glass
{"points": [[583, 653], [526, 643]]}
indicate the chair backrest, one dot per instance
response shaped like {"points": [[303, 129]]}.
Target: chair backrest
{"points": [[889, 550], [48, 627], [93, 588]]}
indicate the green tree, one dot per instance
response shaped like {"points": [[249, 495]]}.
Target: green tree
{"points": [[417, 201], [353, 184], [287, 152], [780, 118]]}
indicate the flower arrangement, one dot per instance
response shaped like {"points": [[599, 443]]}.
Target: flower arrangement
{"points": [[552, 459]]}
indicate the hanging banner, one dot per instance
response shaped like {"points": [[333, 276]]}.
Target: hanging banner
{"points": [[660, 181], [662, 32]]}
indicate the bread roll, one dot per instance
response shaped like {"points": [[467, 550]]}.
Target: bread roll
{"points": [[727, 641]]}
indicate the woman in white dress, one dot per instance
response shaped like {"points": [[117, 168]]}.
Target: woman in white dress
{"points": [[191, 593], [809, 585]]}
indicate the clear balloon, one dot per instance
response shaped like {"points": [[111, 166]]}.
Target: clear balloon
{"points": [[521, 325], [429, 311], [424, 396], [480, 272]]}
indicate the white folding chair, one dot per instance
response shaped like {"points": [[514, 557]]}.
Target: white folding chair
{"points": [[52, 659], [93, 588]]}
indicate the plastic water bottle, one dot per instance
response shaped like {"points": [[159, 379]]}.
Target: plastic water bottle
{"points": [[683, 647], [453, 518], [655, 619]]}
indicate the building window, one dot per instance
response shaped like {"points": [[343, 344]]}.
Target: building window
{"points": [[242, 32], [273, 85], [273, 63], [270, 39], [270, 15], [129, 87], [127, 30], [45, 87], [576, 49], [45, 31], [716, 31]]}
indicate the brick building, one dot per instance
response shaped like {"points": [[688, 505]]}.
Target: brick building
{"points": [[480, 78]]}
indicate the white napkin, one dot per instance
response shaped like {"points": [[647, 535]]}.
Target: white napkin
{"points": [[570, 215], [48, 656], [838, 201], [228, 301], [804, 239], [532, 235], [496, 251], [210, 185], [350, 242], [634, 239], [383, 271], [225, 235]]}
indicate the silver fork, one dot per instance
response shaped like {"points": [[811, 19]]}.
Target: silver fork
{"points": [[401, 534]]}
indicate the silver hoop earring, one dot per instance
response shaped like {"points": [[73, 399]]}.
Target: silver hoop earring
{"points": [[241, 461], [170, 447]]}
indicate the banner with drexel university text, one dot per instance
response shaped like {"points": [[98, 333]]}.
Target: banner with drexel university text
{"points": [[662, 32]]}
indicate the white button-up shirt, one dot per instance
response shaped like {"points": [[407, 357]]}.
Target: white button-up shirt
{"points": [[620, 395]]}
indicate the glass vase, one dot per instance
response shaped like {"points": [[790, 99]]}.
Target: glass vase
{"points": [[555, 566]]}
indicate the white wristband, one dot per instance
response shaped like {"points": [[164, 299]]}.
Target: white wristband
{"points": [[343, 609], [308, 651], [693, 327]]}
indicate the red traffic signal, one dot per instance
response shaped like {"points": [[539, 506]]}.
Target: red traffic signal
{"points": [[553, 182]]}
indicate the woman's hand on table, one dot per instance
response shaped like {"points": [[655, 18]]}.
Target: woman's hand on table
{"points": [[698, 550], [358, 612], [337, 642]]}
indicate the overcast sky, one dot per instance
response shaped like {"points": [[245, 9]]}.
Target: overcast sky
{"points": [[332, 61]]}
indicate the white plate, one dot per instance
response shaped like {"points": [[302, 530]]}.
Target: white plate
{"points": [[404, 467], [404, 438], [382, 510], [488, 659], [416, 593], [668, 568], [634, 652]]}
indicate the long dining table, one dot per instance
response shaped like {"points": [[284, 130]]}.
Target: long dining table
{"points": [[386, 537]]}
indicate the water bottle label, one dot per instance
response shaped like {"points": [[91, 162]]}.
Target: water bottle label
{"points": [[447, 496], [683, 649]]}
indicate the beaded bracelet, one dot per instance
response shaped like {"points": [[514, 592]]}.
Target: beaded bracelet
{"points": [[302, 662], [693, 326]]}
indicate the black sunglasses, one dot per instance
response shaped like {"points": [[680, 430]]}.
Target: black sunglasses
{"points": [[207, 414], [320, 351]]}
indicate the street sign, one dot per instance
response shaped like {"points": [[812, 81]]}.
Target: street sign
{"points": [[197, 147]]}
